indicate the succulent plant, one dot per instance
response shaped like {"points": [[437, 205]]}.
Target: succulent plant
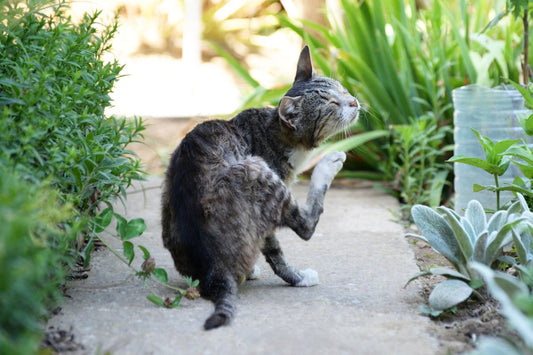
{"points": [[516, 302], [463, 240]]}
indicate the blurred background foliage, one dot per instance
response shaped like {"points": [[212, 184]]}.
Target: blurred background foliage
{"points": [[402, 59]]}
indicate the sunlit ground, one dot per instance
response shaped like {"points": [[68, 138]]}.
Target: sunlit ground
{"points": [[161, 85]]}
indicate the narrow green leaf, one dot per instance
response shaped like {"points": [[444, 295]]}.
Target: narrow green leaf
{"points": [[476, 162], [158, 301], [449, 273], [352, 142], [146, 253], [234, 63], [416, 276], [177, 300], [478, 187]]}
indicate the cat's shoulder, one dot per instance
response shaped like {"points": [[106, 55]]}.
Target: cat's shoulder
{"points": [[254, 114]]}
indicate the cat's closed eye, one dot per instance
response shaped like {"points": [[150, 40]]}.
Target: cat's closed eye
{"points": [[334, 102]]}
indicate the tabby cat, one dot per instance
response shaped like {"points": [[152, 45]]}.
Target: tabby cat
{"points": [[226, 189]]}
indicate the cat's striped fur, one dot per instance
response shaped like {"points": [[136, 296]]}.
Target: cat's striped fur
{"points": [[227, 187]]}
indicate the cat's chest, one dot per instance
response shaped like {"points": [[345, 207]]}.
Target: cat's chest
{"points": [[297, 161]]}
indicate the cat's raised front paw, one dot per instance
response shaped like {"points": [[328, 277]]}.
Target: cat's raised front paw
{"points": [[310, 278], [327, 168]]}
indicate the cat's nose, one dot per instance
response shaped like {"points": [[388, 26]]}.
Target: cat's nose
{"points": [[354, 103]]}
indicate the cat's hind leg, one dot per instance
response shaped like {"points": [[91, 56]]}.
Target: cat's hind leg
{"points": [[275, 258], [303, 221]]}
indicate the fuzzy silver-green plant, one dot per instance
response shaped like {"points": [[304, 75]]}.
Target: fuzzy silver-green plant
{"points": [[516, 303], [462, 240]]}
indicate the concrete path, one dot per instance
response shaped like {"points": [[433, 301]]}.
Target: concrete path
{"points": [[359, 307]]}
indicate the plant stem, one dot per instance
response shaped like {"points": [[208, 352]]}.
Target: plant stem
{"points": [[525, 65], [177, 289], [497, 192]]}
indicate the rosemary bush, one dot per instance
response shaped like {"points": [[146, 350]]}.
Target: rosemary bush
{"points": [[54, 88]]}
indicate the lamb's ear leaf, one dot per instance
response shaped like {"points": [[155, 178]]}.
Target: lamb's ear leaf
{"points": [[449, 293], [288, 108], [304, 70]]}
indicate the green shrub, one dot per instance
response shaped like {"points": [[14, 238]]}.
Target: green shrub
{"points": [[54, 88], [32, 247]]}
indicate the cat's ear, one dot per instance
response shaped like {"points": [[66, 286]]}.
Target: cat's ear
{"points": [[304, 70], [288, 110]]}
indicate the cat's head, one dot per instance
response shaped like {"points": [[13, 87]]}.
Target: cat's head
{"points": [[316, 106]]}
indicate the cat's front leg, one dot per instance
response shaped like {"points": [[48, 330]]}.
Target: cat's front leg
{"points": [[303, 220], [323, 174]]}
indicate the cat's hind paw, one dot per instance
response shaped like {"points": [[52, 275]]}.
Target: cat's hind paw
{"points": [[310, 278], [254, 274]]}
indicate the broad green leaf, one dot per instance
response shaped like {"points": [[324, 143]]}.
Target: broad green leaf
{"points": [[526, 169], [161, 274], [438, 233], [134, 228], [158, 301], [527, 125], [103, 220], [122, 224], [129, 253], [504, 145], [520, 152], [449, 293]]}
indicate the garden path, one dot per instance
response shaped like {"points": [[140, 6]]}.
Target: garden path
{"points": [[360, 306]]}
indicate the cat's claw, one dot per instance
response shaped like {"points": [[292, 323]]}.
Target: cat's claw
{"points": [[327, 168], [310, 278]]}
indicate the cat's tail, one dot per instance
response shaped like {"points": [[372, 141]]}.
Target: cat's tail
{"points": [[223, 291]]}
